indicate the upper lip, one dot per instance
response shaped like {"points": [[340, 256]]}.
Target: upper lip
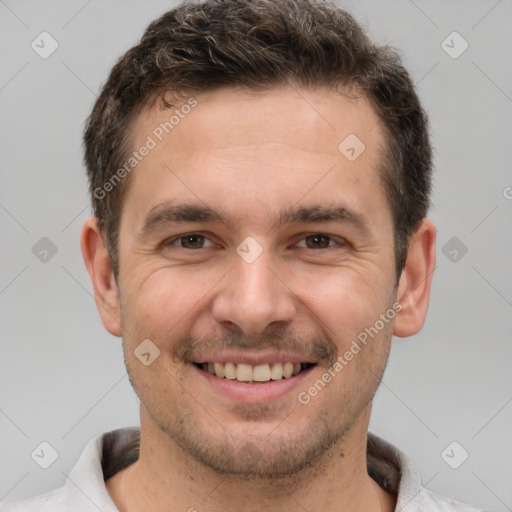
{"points": [[252, 358]]}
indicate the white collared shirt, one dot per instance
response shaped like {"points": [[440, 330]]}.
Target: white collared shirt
{"points": [[85, 489]]}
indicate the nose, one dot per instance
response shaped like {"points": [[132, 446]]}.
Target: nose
{"points": [[253, 296]]}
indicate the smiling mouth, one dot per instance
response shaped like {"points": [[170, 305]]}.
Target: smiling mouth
{"points": [[250, 374]]}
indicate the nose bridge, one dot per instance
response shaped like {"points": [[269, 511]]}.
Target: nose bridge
{"points": [[256, 283], [253, 296]]}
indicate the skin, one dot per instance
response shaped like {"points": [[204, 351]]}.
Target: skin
{"points": [[254, 154]]}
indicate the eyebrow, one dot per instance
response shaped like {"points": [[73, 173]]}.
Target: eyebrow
{"points": [[320, 213], [168, 213]]}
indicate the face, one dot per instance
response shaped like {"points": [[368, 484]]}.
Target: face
{"points": [[252, 247]]}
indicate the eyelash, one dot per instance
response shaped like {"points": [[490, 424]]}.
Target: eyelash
{"points": [[171, 241]]}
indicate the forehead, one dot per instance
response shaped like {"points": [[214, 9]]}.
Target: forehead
{"points": [[229, 117], [263, 149]]}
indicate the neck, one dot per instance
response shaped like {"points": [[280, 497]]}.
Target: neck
{"points": [[165, 475]]}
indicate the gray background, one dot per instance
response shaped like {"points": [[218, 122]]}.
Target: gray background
{"points": [[62, 377]]}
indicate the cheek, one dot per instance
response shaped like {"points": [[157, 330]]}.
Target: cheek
{"points": [[342, 301], [160, 300], [163, 303]]}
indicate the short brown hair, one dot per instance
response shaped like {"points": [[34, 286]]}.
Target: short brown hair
{"points": [[259, 45]]}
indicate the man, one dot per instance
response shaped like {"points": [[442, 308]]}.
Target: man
{"points": [[260, 176]]}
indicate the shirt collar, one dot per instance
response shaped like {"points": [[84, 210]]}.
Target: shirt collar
{"points": [[111, 452]]}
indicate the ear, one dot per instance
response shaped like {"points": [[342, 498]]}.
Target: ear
{"points": [[96, 260], [414, 286]]}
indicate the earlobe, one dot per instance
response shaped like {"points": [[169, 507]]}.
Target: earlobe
{"points": [[102, 277], [414, 286]]}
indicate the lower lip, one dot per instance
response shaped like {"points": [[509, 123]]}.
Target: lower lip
{"points": [[253, 392]]}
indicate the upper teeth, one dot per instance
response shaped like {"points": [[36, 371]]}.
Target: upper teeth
{"points": [[248, 373]]}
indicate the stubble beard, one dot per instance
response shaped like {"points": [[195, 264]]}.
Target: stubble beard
{"points": [[276, 459]]}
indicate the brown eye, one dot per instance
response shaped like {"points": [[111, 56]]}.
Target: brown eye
{"points": [[190, 241], [317, 241]]}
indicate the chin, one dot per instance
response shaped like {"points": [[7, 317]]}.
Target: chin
{"points": [[256, 444]]}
